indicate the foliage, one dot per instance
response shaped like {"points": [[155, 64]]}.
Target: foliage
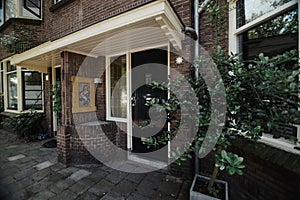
{"points": [[17, 41], [27, 125], [56, 99], [259, 94]]}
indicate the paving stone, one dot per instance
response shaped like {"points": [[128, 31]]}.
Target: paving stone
{"points": [[43, 165], [124, 188], [65, 195], [113, 196], [116, 176], [61, 185], [24, 173], [170, 188], [88, 196], [45, 194], [39, 175], [146, 188], [136, 178], [68, 171], [80, 174], [82, 186], [101, 188], [137, 196], [16, 157]]}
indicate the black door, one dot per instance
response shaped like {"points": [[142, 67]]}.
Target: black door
{"points": [[148, 66]]}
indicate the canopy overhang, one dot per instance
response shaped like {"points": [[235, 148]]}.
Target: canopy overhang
{"points": [[149, 25]]}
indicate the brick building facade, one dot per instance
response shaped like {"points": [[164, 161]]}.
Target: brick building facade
{"points": [[77, 39]]}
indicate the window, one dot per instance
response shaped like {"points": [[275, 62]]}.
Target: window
{"points": [[32, 90], [20, 9], [117, 95], [270, 27], [57, 1], [24, 89], [12, 87], [1, 78]]}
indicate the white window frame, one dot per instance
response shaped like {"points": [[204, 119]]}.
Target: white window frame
{"points": [[233, 45], [19, 90]]}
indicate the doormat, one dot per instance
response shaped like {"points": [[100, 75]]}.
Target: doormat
{"points": [[50, 144]]}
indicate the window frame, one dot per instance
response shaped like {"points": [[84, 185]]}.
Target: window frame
{"points": [[234, 47], [108, 88], [20, 89]]}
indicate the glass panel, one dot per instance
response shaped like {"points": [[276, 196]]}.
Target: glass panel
{"points": [[249, 10], [118, 87], [12, 83], [1, 13], [10, 67], [31, 8], [10, 9], [273, 37], [32, 90]]}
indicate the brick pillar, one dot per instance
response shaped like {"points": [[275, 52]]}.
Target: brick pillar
{"points": [[63, 145], [64, 131]]}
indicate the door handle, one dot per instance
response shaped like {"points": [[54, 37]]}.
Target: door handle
{"points": [[133, 101]]}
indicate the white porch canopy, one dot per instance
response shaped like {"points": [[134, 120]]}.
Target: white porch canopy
{"points": [[150, 25]]}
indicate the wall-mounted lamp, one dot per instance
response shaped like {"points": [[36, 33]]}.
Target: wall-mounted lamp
{"points": [[47, 77], [179, 60], [97, 80]]}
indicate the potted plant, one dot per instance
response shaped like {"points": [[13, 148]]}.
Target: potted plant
{"points": [[259, 94]]}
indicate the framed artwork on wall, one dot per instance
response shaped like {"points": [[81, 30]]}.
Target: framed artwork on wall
{"points": [[83, 94]]}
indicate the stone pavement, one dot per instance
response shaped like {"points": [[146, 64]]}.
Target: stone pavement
{"points": [[29, 171]]}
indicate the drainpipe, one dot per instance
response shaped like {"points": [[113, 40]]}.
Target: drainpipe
{"points": [[197, 10], [195, 34]]}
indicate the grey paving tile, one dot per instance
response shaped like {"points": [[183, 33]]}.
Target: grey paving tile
{"points": [[101, 188], [16, 157], [88, 196], [43, 165], [81, 186], [137, 196], [65, 195], [61, 185], [80, 174], [42, 195], [116, 176], [124, 188], [113, 196], [136, 178]]}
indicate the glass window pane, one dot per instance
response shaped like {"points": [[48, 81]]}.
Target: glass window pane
{"points": [[10, 67], [118, 98], [10, 9], [273, 37], [249, 10], [12, 84], [32, 95]]}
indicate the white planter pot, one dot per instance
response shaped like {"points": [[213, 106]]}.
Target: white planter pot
{"points": [[199, 196]]}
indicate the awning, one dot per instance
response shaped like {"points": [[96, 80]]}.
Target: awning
{"points": [[150, 25]]}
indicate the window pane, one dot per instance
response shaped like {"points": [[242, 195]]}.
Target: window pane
{"points": [[249, 10], [1, 13], [32, 90], [10, 67], [118, 87], [12, 83], [10, 9], [273, 37], [31, 8]]}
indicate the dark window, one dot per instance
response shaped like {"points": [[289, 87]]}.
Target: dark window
{"points": [[32, 92]]}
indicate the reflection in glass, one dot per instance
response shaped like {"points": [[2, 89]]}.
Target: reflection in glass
{"points": [[32, 90], [12, 83], [118, 89], [249, 10]]}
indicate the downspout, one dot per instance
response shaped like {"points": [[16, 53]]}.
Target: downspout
{"points": [[195, 34]]}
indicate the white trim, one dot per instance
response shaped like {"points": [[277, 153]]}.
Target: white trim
{"points": [[80, 52], [145, 12], [153, 163], [233, 47]]}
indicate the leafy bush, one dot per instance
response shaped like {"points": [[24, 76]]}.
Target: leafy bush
{"points": [[259, 94], [27, 125]]}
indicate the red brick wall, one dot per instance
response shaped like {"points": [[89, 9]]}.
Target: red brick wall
{"points": [[18, 25], [78, 14]]}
